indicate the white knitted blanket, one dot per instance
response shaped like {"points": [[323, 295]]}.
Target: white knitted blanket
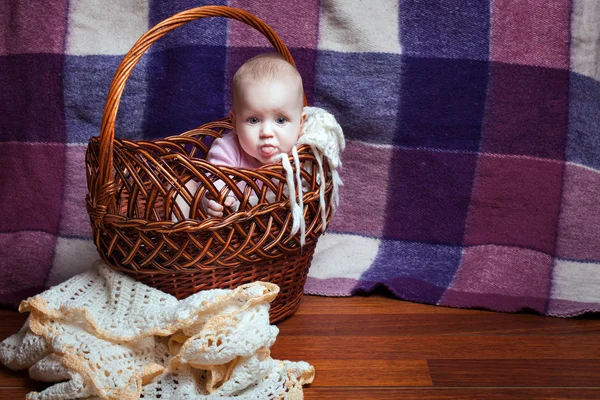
{"points": [[104, 335]]}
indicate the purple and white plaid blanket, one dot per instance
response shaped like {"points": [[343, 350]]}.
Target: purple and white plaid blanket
{"points": [[472, 169]]}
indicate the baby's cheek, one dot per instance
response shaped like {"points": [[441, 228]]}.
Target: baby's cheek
{"points": [[291, 140]]}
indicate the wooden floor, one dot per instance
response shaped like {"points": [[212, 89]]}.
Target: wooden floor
{"points": [[379, 348]]}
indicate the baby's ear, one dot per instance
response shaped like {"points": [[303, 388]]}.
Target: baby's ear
{"points": [[302, 119]]}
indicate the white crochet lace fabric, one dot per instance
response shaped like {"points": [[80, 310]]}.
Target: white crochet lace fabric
{"points": [[104, 335], [325, 137]]}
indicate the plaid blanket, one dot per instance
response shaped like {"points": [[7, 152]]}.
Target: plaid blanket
{"points": [[472, 169]]}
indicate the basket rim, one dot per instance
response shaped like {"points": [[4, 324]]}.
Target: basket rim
{"points": [[120, 221], [303, 149]]}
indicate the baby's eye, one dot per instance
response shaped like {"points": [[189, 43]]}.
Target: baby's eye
{"points": [[253, 120], [281, 120]]}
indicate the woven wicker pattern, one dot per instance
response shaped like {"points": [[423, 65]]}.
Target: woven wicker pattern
{"points": [[133, 186]]}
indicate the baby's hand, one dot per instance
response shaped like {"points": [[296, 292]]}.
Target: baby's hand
{"points": [[214, 209]]}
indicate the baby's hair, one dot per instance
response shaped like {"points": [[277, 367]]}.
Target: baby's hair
{"points": [[271, 66]]}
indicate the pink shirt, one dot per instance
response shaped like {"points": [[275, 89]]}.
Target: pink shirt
{"points": [[227, 151]]}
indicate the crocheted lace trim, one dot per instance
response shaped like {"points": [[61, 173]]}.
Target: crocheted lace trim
{"points": [[104, 335]]}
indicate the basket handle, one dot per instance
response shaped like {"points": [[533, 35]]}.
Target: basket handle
{"points": [[105, 182]]}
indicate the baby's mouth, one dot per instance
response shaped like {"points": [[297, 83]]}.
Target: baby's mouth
{"points": [[268, 150]]}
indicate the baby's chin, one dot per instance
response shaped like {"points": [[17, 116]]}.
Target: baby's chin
{"points": [[270, 160]]}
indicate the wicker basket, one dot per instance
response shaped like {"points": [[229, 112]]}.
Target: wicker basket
{"points": [[133, 186]]}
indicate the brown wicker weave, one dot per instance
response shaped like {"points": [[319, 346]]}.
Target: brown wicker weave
{"points": [[133, 185]]}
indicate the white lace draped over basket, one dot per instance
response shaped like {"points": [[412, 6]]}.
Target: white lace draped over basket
{"points": [[325, 137], [104, 335]]}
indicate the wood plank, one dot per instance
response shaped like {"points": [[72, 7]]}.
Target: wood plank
{"points": [[10, 378], [435, 347], [411, 394], [371, 373], [11, 322], [13, 393], [548, 373], [311, 393], [373, 304], [434, 324], [381, 348]]}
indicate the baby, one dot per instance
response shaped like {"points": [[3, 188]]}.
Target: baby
{"points": [[267, 117]]}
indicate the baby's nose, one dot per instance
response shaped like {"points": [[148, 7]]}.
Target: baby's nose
{"points": [[267, 129]]}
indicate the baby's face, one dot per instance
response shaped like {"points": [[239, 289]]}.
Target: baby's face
{"points": [[267, 117]]}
